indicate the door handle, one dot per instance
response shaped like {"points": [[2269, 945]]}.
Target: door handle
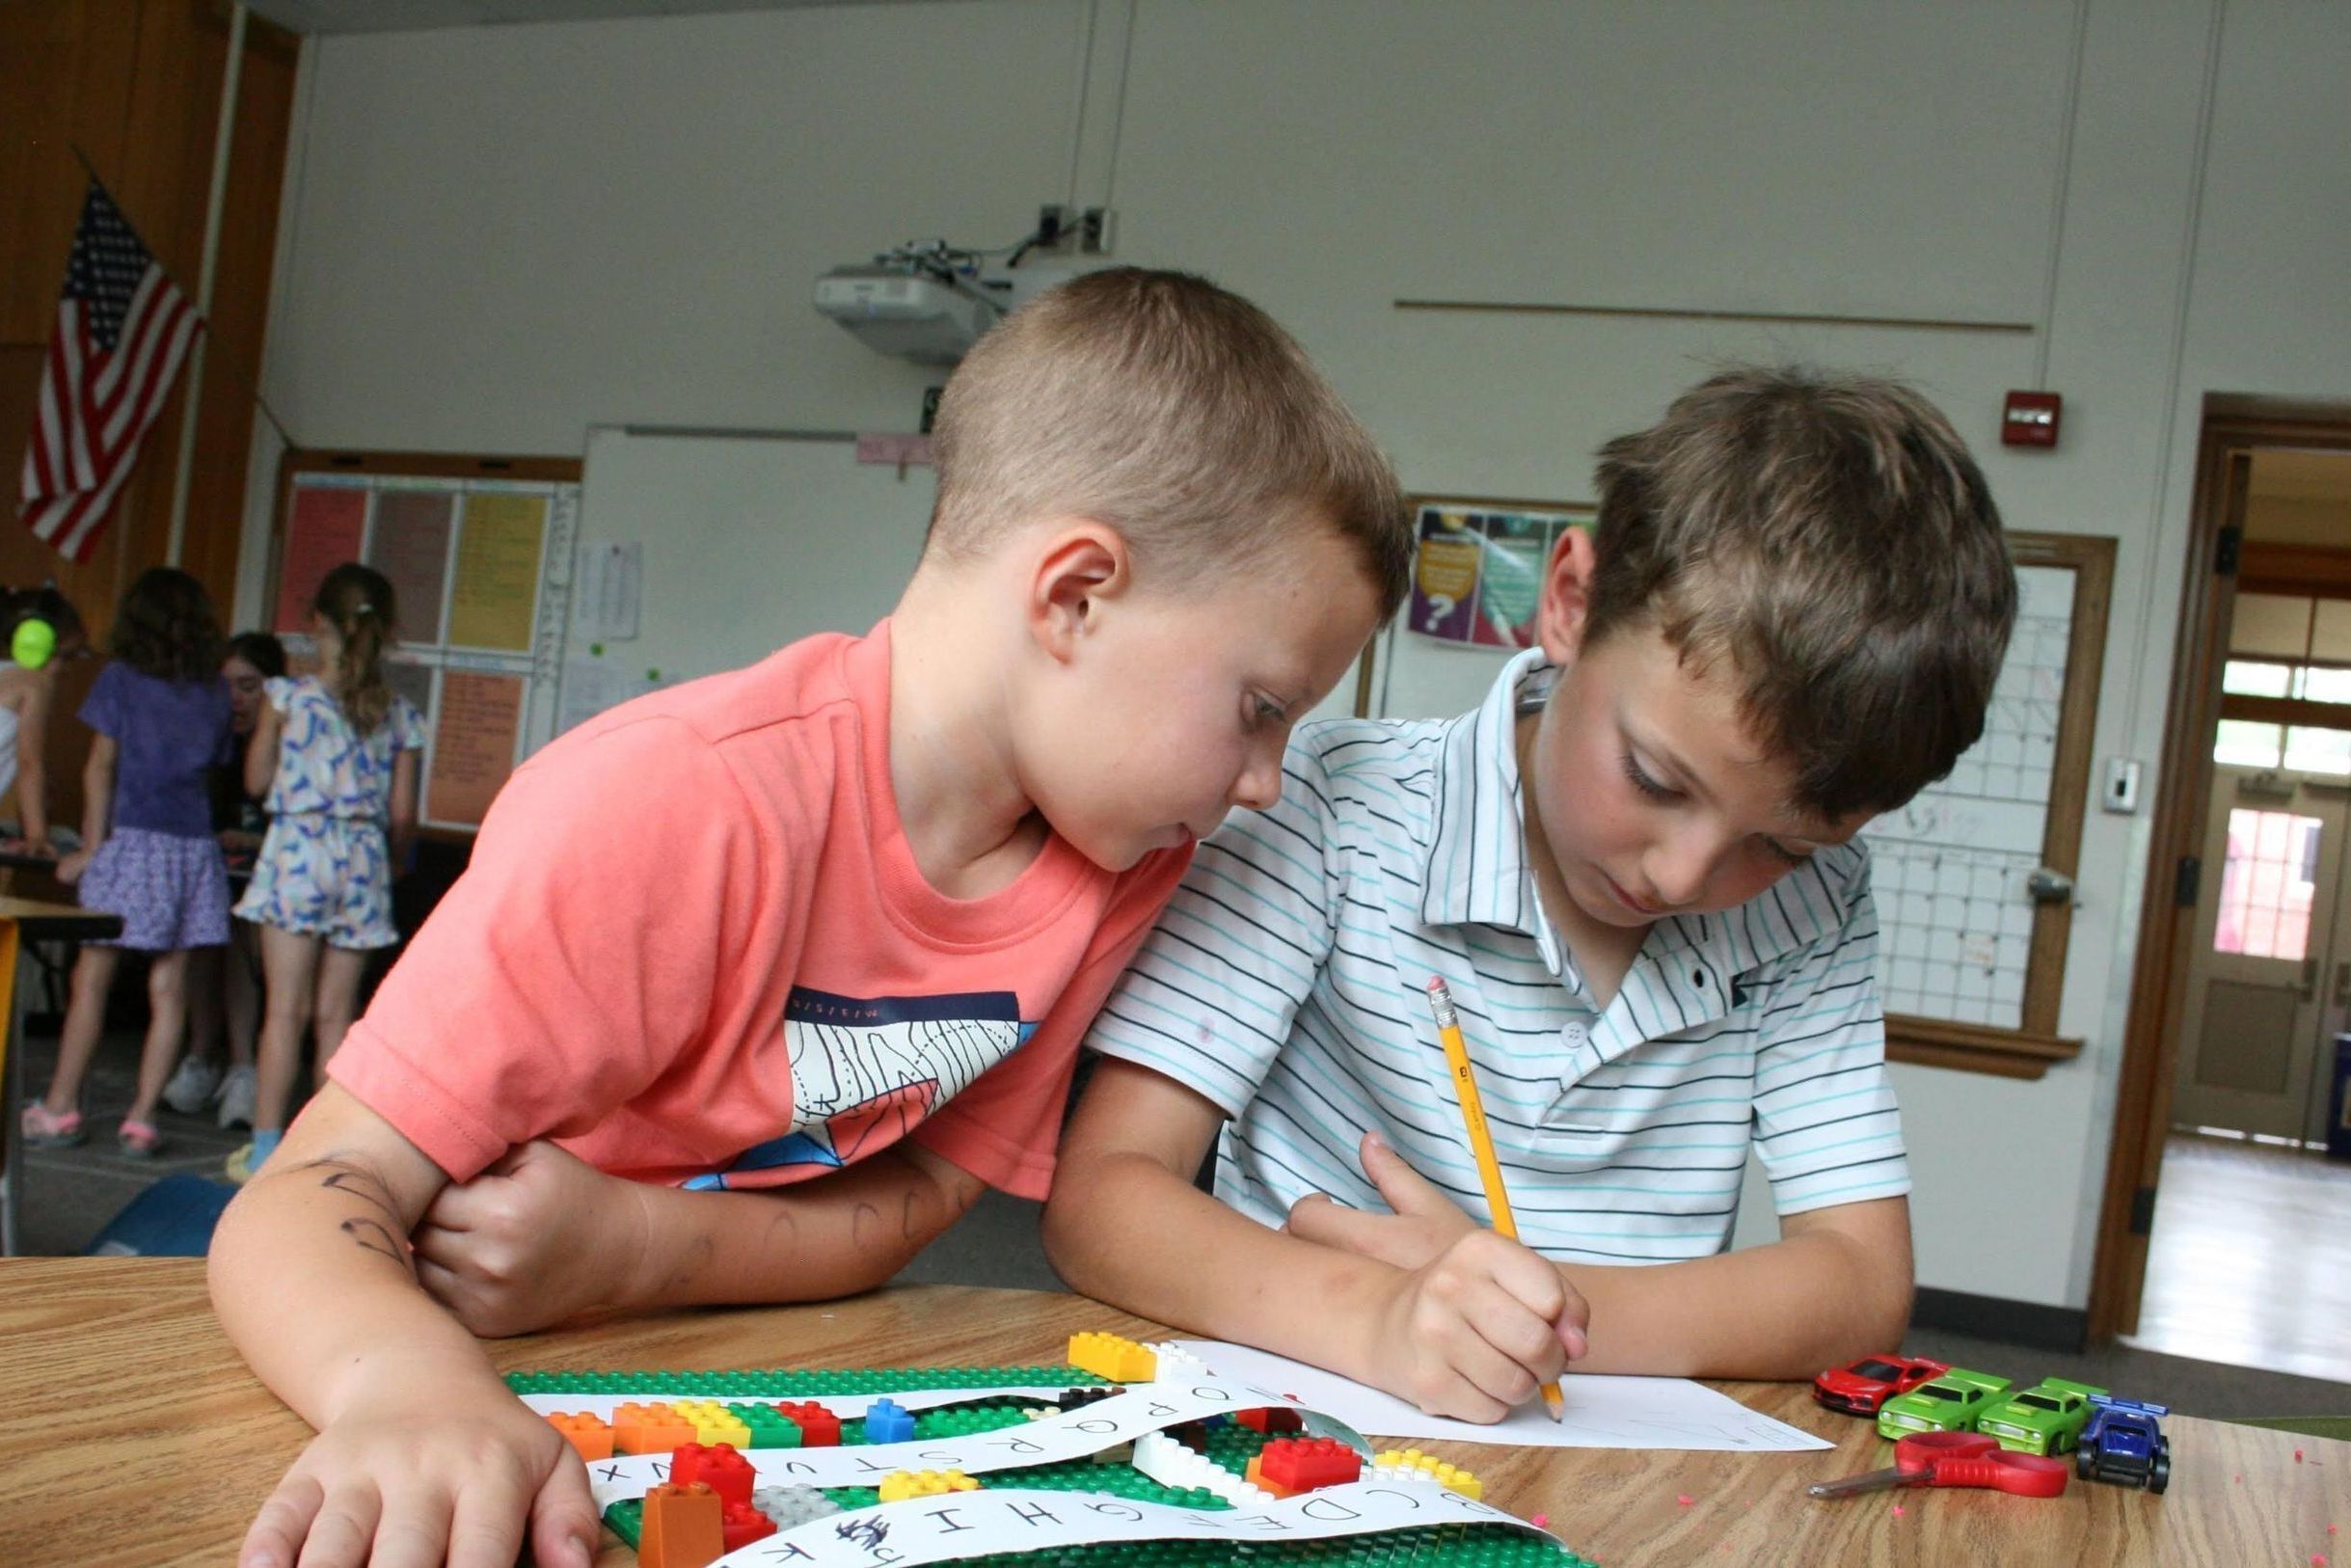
{"points": [[2309, 976], [2343, 983]]}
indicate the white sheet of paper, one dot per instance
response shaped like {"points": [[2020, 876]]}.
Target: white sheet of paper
{"points": [[1602, 1412]]}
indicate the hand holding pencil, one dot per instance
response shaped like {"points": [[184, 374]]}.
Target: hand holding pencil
{"points": [[1481, 1142]]}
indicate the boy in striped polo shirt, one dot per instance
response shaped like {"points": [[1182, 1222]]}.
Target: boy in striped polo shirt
{"points": [[1635, 866]]}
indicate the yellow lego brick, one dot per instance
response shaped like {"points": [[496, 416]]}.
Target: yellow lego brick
{"points": [[714, 1422], [1411, 1464], [900, 1484], [1109, 1357]]}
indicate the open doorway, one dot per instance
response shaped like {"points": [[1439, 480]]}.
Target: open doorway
{"points": [[2227, 1234]]}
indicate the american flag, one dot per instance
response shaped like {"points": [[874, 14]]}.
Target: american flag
{"points": [[123, 328]]}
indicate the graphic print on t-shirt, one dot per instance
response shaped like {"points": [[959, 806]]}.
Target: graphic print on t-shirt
{"points": [[865, 1070]]}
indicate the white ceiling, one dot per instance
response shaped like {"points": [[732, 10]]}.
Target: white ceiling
{"points": [[412, 15]]}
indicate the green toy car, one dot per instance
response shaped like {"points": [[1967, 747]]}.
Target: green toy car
{"points": [[2045, 1418], [1951, 1403]]}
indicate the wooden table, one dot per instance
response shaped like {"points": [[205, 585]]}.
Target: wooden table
{"points": [[22, 923], [131, 1432]]}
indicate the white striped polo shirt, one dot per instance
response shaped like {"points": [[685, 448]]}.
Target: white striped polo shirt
{"points": [[1287, 982]]}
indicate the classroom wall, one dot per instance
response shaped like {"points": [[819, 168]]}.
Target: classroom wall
{"points": [[497, 239]]}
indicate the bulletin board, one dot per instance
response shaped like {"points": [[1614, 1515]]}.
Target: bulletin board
{"points": [[479, 552], [1971, 966]]}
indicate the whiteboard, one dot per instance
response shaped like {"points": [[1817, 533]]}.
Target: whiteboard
{"points": [[1949, 870], [747, 542]]}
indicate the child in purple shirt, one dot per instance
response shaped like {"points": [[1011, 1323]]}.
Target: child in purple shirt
{"points": [[161, 713]]}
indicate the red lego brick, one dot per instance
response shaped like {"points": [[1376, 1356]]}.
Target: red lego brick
{"points": [[1303, 1464], [820, 1428], [1272, 1422], [741, 1524], [716, 1466], [684, 1527]]}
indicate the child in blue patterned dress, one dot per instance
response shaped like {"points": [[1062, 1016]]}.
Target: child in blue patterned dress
{"points": [[337, 754], [161, 713]]}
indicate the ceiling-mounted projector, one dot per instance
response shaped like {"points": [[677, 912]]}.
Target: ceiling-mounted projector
{"points": [[930, 302], [913, 315]]}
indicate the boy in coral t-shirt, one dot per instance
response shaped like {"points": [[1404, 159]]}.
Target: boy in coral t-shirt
{"points": [[829, 928]]}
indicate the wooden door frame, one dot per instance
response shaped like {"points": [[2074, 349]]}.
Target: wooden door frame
{"points": [[2233, 428]]}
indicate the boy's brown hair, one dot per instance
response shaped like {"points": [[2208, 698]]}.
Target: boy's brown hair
{"points": [[1829, 541], [1178, 413]]}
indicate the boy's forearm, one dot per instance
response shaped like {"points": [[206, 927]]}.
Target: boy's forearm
{"points": [[1778, 1311], [311, 1278], [831, 1236], [1125, 1230]]}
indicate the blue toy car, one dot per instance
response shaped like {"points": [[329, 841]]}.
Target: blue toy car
{"points": [[2123, 1444]]}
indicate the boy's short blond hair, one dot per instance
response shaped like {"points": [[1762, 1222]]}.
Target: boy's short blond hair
{"points": [[1178, 413], [1827, 540]]}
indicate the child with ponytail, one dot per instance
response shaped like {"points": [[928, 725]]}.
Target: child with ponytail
{"points": [[337, 754]]}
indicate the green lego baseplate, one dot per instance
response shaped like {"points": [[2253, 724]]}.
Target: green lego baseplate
{"points": [[1231, 1446]]}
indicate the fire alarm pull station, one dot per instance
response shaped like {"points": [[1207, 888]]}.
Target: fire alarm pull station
{"points": [[2030, 419]]}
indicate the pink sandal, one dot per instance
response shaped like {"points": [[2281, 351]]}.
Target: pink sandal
{"points": [[43, 1128], [138, 1139]]}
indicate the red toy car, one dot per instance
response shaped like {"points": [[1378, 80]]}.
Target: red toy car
{"points": [[1860, 1389]]}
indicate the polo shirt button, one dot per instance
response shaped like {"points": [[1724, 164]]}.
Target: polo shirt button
{"points": [[1574, 1036]]}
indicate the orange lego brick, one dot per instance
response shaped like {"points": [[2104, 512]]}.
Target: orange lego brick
{"points": [[649, 1430], [685, 1527], [590, 1436]]}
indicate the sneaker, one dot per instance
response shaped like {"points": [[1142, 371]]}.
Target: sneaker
{"points": [[43, 1128], [192, 1085], [237, 1097], [240, 1166], [138, 1139]]}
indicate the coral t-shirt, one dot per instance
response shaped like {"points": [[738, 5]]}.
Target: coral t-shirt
{"points": [[693, 947]]}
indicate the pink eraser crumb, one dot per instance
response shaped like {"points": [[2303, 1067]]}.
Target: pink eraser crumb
{"points": [[2297, 1457], [1898, 1510], [2318, 1560], [1684, 1500], [2330, 1529], [1541, 1522]]}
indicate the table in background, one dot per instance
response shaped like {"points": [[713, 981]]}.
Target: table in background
{"points": [[131, 1432], [22, 923]]}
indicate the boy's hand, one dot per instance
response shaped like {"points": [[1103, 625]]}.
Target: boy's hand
{"points": [[1475, 1323], [428, 1473], [1425, 1224], [539, 1237]]}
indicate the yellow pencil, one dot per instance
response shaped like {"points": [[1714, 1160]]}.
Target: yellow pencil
{"points": [[1481, 1143]]}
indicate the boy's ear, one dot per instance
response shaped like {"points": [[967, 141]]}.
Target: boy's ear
{"points": [[1567, 596], [1079, 568]]}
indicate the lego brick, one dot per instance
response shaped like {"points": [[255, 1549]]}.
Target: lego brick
{"points": [[649, 1429], [1108, 1356], [820, 1427], [716, 1466], [739, 1524], [1294, 1465], [684, 1527], [790, 1506], [590, 1436], [1412, 1465], [887, 1422], [1272, 1422], [900, 1485], [1173, 1465]]}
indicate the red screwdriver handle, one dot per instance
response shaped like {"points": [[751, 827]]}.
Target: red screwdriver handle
{"points": [[2020, 1474]]}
